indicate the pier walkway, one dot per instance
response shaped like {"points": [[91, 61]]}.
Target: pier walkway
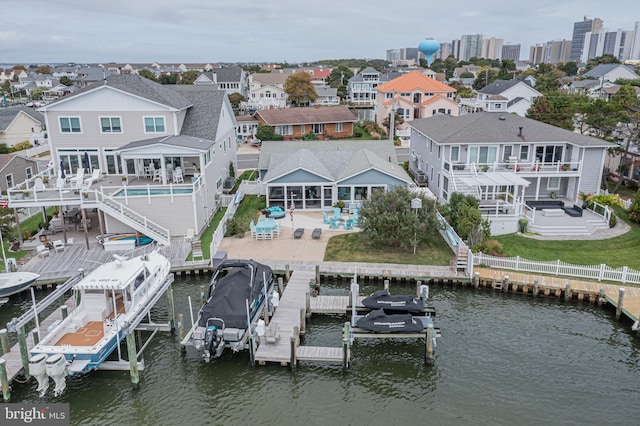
{"points": [[288, 320]]}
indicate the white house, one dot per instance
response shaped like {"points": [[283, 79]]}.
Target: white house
{"points": [[612, 72], [511, 96], [131, 126]]}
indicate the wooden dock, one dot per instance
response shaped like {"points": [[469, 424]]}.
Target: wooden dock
{"points": [[567, 288], [288, 318], [59, 266]]}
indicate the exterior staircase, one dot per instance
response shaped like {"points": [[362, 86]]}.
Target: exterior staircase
{"points": [[132, 218], [461, 187]]}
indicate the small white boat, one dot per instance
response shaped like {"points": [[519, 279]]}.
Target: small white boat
{"points": [[113, 299], [15, 282]]}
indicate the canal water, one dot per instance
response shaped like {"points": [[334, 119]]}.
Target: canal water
{"points": [[501, 360]]}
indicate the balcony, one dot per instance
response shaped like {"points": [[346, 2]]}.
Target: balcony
{"points": [[522, 168]]}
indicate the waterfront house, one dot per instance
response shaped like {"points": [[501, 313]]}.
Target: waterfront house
{"points": [[361, 90], [20, 125], [504, 156], [315, 175], [511, 96], [132, 128], [413, 96], [334, 122]]}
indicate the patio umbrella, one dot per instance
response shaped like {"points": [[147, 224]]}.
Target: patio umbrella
{"points": [[62, 170], [87, 163]]}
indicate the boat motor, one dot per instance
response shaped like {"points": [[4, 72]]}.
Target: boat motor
{"points": [[213, 338], [57, 369], [37, 368]]}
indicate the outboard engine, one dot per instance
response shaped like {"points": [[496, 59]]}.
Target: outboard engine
{"points": [[213, 341], [57, 369], [37, 368]]}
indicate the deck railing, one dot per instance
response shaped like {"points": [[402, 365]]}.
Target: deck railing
{"points": [[600, 272]]}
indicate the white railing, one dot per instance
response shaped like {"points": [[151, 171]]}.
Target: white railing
{"points": [[600, 272], [449, 234], [151, 228], [32, 152], [218, 234], [599, 209]]}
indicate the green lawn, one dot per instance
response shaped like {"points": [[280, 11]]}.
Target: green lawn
{"points": [[355, 247], [620, 251], [249, 209]]}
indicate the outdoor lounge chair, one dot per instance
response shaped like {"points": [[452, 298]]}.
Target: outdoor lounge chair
{"points": [[337, 213], [316, 233], [58, 245], [298, 233], [325, 217], [77, 178], [38, 185], [43, 251], [333, 223], [95, 176], [348, 224]]}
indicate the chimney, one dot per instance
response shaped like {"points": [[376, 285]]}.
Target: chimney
{"points": [[520, 131]]}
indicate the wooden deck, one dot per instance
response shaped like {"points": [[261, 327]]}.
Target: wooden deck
{"points": [[59, 266]]}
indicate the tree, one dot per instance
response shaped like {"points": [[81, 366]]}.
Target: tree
{"points": [[299, 88], [604, 59], [602, 117], [485, 77], [629, 125], [43, 69], [388, 220], [467, 74], [507, 68], [37, 93], [570, 68], [339, 76], [634, 210], [188, 77], [463, 214], [148, 74], [266, 133], [66, 81], [19, 67], [168, 78], [235, 99]]}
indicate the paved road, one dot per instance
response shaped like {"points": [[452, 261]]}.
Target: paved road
{"points": [[248, 160]]}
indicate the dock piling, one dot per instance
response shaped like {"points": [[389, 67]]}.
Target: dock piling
{"points": [[601, 299], [428, 345], [418, 286], [476, 280], [280, 286], [621, 292], [318, 275], [64, 310], [505, 283], [24, 352], [252, 350], [307, 304], [170, 307], [4, 340], [386, 285], [181, 326], [536, 290], [133, 360], [4, 380], [201, 294], [287, 273], [303, 321], [567, 292]]}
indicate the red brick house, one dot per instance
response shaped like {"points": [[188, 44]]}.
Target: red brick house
{"points": [[295, 123]]}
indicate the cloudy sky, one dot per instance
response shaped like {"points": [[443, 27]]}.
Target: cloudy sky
{"points": [[46, 31]]}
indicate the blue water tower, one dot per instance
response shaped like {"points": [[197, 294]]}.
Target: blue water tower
{"points": [[429, 46]]}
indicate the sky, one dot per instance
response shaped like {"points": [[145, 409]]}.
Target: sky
{"points": [[211, 31]]}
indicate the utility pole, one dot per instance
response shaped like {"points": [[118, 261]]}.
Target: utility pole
{"points": [[392, 118]]}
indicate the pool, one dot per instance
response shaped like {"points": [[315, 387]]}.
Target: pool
{"points": [[132, 192]]}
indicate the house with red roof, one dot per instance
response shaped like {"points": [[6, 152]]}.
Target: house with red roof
{"points": [[414, 95], [295, 123]]}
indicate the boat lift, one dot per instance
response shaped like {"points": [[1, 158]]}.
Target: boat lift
{"points": [[18, 325], [429, 334]]}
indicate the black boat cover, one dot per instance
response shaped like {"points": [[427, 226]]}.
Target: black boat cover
{"points": [[395, 323], [381, 299], [227, 300]]}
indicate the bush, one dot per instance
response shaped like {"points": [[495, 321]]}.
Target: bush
{"points": [[490, 247], [21, 146], [613, 220], [234, 227], [310, 137]]}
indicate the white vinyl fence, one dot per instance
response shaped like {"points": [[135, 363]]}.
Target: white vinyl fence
{"points": [[600, 272]]}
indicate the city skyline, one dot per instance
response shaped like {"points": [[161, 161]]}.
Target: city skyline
{"points": [[37, 31]]}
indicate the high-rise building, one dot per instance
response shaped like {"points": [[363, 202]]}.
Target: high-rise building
{"points": [[492, 48], [511, 51], [634, 53], [615, 43], [455, 48], [444, 52], [580, 29], [471, 46], [536, 54], [557, 51]]}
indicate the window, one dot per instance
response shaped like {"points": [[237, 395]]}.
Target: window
{"points": [[154, 125], [317, 128], [338, 127], [219, 183], [28, 172], [508, 149], [110, 125], [70, 125], [549, 154], [483, 154], [286, 129], [455, 154], [553, 183], [9, 180], [524, 153], [302, 129]]}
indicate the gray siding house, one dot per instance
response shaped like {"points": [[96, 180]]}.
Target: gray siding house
{"points": [[507, 157], [315, 175]]}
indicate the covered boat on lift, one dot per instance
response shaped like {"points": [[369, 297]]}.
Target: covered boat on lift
{"points": [[381, 299], [380, 322], [235, 299]]}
